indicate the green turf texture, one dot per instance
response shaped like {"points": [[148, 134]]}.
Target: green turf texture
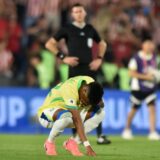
{"points": [[30, 147]]}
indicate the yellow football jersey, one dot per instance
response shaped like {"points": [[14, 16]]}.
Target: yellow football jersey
{"points": [[65, 95]]}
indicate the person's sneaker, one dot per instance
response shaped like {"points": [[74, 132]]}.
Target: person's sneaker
{"points": [[127, 134], [71, 146], [50, 148], [103, 140], [154, 136]]}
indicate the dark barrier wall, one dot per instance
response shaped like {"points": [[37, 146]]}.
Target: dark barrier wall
{"points": [[18, 108]]}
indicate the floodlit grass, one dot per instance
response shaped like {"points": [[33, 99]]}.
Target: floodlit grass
{"points": [[30, 147]]}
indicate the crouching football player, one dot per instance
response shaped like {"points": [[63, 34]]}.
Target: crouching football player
{"points": [[77, 102]]}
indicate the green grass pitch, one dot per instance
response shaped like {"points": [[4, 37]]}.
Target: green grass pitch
{"points": [[30, 147]]}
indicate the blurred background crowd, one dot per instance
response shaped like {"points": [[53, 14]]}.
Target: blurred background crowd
{"points": [[25, 26]]}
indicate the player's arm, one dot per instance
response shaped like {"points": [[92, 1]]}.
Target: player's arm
{"points": [[102, 45], [135, 74], [80, 130], [142, 76], [96, 63], [52, 45]]}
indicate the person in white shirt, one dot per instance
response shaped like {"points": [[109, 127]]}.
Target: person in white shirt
{"points": [[143, 72]]}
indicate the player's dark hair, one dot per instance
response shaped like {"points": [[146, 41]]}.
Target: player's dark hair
{"points": [[95, 93], [77, 5]]}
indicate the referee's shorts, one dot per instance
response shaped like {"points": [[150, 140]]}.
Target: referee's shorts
{"points": [[137, 97]]}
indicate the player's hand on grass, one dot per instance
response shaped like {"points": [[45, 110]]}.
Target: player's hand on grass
{"points": [[72, 61], [90, 151]]}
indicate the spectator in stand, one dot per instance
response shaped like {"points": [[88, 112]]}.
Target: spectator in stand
{"points": [[2, 7], [40, 30], [14, 43], [141, 25], [41, 62], [156, 29], [3, 28], [6, 61], [123, 42]]}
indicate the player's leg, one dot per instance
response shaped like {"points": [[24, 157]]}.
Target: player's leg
{"points": [[74, 132], [59, 125], [99, 130], [153, 135], [63, 119], [127, 133], [52, 118], [101, 139], [131, 115], [135, 98], [94, 120], [91, 120], [152, 116]]}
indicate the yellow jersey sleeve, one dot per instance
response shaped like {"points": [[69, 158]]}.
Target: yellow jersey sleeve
{"points": [[88, 79]]}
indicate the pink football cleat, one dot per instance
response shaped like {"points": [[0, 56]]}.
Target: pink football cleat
{"points": [[50, 148], [71, 146]]}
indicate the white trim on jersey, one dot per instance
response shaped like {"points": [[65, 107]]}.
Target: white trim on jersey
{"points": [[132, 64]]}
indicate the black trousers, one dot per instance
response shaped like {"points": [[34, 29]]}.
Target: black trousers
{"points": [[84, 70]]}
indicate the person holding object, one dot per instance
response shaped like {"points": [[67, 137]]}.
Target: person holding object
{"points": [[143, 71]]}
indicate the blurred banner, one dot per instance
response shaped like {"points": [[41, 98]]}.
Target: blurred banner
{"points": [[18, 109]]}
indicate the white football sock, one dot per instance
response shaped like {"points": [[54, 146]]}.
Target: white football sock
{"points": [[58, 127]]}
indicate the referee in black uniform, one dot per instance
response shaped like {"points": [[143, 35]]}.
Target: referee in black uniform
{"points": [[79, 38]]}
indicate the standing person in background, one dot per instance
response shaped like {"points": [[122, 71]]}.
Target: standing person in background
{"points": [[79, 38], [144, 73]]}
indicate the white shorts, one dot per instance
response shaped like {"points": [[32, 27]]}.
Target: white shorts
{"points": [[46, 119]]}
